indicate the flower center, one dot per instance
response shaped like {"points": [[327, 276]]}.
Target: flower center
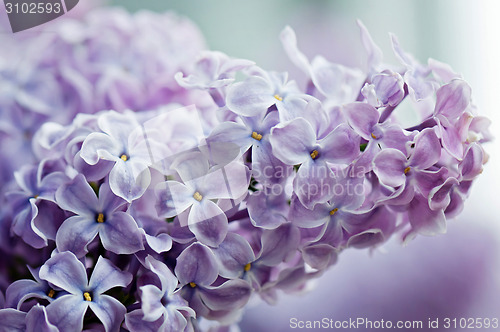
{"points": [[87, 297], [197, 196], [257, 136], [314, 154], [332, 212], [278, 97], [247, 267], [124, 157], [192, 284], [407, 169], [100, 218], [51, 293], [373, 136]]}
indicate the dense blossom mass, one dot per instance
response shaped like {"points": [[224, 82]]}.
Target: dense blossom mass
{"points": [[143, 187]]}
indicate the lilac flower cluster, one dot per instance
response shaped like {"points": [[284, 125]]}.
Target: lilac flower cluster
{"points": [[218, 189]]}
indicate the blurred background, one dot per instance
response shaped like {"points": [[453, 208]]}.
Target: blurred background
{"points": [[456, 275]]}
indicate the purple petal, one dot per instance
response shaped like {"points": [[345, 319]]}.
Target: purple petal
{"points": [[65, 271], [230, 181], [266, 210], [232, 255], [109, 311], [167, 278], [362, 118], [306, 218], [75, 234], [37, 320], [78, 197], [100, 146], [24, 226], [21, 290], [472, 164], [120, 234], [439, 197], [293, 142], [424, 220], [278, 243], [373, 51], [389, 166], [159, 243], [12, 320], [208, 223], [452, 142], [319, 256], [129, 179], [366, 239], [151, 304], [191, 166], [250, 97], [67, 312], [289, 41], [428, 180], [231, 132], [173, 198], [266, 168], [196, 264], [452, 99], [108, 202], [106, 276], [341, 146], [427, 149], [134, 322], [231, 295], [314, 183]]}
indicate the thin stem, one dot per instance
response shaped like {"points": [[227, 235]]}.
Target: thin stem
{"points": [[389, 109]]}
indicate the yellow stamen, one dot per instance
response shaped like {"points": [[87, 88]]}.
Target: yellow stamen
{"points": [[87, 297], [373, 136], [332, 212], [35, 197], [256, 136], [278, 97], [247, 267], [100, 218], [124, 157], [197, 196], [192, 284], [51, 293], [407, 169], [314, 154]]}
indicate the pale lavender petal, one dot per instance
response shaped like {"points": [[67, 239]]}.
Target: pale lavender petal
{"points": [[151, 304], [65, 271], [266, 168], [12, 320], [362, 118], [191, 166], [75, 234], [319, 256], [37, 320], [314, 183], [129, 179], [78, 197], [231, 295], [167, 278], [67, 313], [452, 99], [231, 132], [266, 210], [306, 218], [100, 146], [109, 311], [21, 290], [366, 239], [289, 41], [250, 97], [293, 142], [173, 198], [341, 146], [196, 264], [232, 255], [106, 276], [278, 243], [159, 243], [208, 223], [424, 220], [120, 234], [450, 137], [373, 51], [439, 197], [428, 180], [427, 149], [134, 322], [108, 202], [230, 182], [389, 165], [472, 164]]}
